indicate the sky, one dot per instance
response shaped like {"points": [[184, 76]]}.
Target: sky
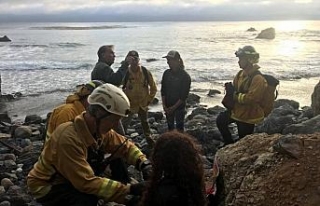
{"points": [[156, 10]]}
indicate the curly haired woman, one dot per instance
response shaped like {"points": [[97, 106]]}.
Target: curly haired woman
{"points": [[178, 175]]}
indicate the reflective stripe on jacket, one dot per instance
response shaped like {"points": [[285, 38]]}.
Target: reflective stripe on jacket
{"points": [[247, 100], [64, 159]]}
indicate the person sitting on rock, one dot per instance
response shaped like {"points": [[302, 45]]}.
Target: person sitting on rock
{"points": [[248, 90], [140, 88], [178, 174], [75, 104], [63, 175]]}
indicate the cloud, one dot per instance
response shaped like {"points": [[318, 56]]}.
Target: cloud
{"points": [[124, 10]]}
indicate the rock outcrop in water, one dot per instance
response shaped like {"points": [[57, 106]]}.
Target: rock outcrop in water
{"points": [[268, 33], [5, 39]]}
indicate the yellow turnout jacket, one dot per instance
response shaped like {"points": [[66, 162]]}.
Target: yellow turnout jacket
{"points": [[248, 97], [139, 94], [64, 159]]}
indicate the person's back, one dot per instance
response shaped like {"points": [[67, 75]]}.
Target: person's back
{"points": [[169, 194], [178, 174]]}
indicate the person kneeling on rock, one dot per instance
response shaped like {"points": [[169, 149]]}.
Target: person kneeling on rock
{"points": [[63, 175]]}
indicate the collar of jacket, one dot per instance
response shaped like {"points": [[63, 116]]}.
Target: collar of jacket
{"points": [[83, 130], [72, 98], [135, 73], [104, 62], [249, 72]]}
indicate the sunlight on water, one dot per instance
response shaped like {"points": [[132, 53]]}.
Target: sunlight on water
{"points": [[290, 25], [290, 48]]}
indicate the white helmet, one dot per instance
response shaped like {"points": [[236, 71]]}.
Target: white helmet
{"points": [[110, 98]]}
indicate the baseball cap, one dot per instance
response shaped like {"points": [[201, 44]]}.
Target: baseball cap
{"points": [[133, 53], [172, 54]]}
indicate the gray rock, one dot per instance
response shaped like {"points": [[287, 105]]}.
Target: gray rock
{"points": [[315, 99], [5, 203], [5, 39], [23, 132], [268, 33], [6, 183]]}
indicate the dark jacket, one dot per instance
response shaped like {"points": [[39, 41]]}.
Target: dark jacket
{"points": [[175, 86], [102, 71], [169, 194]]}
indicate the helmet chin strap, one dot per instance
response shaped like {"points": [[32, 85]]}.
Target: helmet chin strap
{"points": [[97, 134]]}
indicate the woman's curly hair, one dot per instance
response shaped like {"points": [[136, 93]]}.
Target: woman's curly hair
{"points": [[177, 156]]}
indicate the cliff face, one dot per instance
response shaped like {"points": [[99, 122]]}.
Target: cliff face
{"points": [[277, 170]]}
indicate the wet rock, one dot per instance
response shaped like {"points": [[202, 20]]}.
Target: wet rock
{"points": [[268, 33], [23, 132], [213, 92], [33, 119], [155, 101], [193, 99], [6, 183], [5, 39], [4, 117], [251, 29], [281, 102], [309, 126], [151, 60]]}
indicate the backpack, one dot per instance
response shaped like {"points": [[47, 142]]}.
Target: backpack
{"points": [[145, 74], [270, 94]]}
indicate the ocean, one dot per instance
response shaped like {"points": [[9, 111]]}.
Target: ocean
{"points": [[45, 61]]}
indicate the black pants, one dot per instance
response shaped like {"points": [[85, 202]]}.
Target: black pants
{"points": [[66, 194], [178, 117], [223, 121]]}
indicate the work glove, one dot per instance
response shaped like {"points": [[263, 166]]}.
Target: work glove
{"points": [[138, 188], [229, 88], [146, 169]]}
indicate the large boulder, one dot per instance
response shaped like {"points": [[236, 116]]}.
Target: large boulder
{"points": [[5, 39], [268, 33], [263, 170], [315, 99]]}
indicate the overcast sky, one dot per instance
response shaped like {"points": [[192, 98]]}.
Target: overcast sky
{"points": [[156, 10]]}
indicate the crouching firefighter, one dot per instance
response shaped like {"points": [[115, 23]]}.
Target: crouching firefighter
{"points": [[62, 174]]}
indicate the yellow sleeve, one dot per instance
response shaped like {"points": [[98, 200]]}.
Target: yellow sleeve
{"points": [[255, 92], [127, 149], [71, 163]]}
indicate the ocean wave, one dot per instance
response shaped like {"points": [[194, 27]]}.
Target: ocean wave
{"points": [[78, 27], [28, 45], [66, 90], [41, 68], [68, 44]]}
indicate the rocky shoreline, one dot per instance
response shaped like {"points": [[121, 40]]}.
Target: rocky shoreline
{"points": [[21, 144]]}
